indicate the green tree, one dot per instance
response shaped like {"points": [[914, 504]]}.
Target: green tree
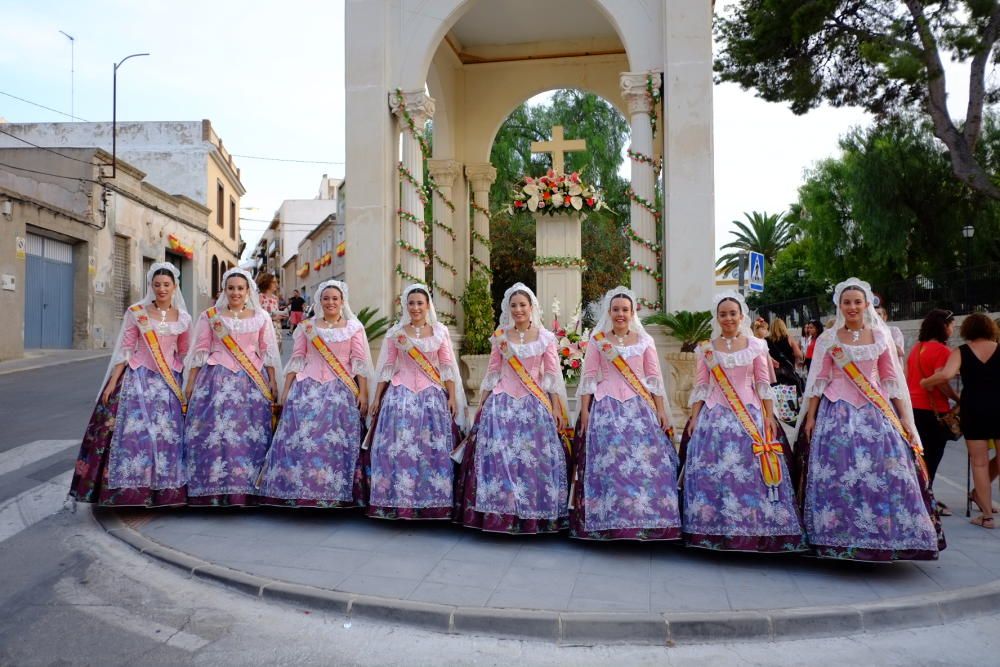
{"points": [[884, 56], [766, 233], [783, 282], [584, 116], [888, 208]]}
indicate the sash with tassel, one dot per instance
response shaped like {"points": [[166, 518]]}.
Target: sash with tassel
{"points": [[222, 332], [153, 342], [846, 364], [766, 448]]}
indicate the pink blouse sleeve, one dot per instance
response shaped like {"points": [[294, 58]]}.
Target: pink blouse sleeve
{"points": [[359, 346], [183, 343], [493, 370], [892, 384], [299, 347], [130, 336], [202, 334], [650, 363], [762, 371], [591, 370], [823, 376], [263, 339], [446, 356], [702, 384]]}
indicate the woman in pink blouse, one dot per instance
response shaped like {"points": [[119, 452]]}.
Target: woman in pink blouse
{"points": [[626, 467], [513, 476], [418, 398], [314, 456], [233, 369], [132, 451], [729, 502]]}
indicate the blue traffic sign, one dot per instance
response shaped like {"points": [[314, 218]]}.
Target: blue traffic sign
{"points": [[756, 272]]}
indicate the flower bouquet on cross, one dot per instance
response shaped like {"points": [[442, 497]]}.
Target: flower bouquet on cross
{"points": [[572, 343], [556, 193]]}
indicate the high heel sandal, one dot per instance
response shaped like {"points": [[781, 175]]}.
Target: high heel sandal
{"points": [[982, 522]]}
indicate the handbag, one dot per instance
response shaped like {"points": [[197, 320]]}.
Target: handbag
{"points": [[950, 421]]}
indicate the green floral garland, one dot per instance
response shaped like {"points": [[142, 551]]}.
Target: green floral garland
{"points": [[564, 262]]}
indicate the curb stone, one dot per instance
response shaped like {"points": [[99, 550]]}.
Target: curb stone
{"points": [[587, 628]]}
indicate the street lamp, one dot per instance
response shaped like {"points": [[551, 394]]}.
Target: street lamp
{"points": [[968, 231], [114, 113], [72, 74]]}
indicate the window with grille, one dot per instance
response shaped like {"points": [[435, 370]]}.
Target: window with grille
{"points": [[122, 265]]}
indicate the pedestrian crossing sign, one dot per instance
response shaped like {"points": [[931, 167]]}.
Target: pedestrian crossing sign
{"points": [[756, 272]]}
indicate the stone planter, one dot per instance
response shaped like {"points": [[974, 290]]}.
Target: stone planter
{"points": [[475, 370], [682, 365]]}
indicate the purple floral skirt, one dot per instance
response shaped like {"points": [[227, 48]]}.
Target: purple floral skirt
{"points": [[726, 503], [131, 454], [313, 459], [226, 436], [408, 467], [514, 470], [625, 476], [864, 496]]}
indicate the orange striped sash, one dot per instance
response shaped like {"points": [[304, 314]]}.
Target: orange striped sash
{"points": [[766, 448], [404, 343], [329, 357], [221, 332], [153, 342]]}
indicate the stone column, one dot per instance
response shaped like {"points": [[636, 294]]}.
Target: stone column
{"points": [[412, 109], [643, 221], [481, 177], [444, 172], [558, 236]]}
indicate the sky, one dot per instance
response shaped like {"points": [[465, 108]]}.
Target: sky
{"points": [[270, 77]]}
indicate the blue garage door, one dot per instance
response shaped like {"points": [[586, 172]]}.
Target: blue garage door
{"points": [[48, 294]]}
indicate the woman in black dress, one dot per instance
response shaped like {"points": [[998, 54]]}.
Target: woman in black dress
{"points": [[978, 362]]}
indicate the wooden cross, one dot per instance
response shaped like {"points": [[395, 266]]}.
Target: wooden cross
{"points": [[557, 147]]}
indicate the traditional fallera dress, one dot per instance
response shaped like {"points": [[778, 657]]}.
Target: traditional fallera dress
{"points": [[314, 458], [408, 464], [865, 497], [737, 491], [513, 476], [132, 452], [625, 475], [228, 426]]}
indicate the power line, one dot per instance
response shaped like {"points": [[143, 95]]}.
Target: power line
{"points": [[68, 157], [42, 106], [282, 159], [47, 173]]}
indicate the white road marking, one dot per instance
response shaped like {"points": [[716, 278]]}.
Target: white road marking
{"points": [[37, 503], [88, 603], [19, 457]]}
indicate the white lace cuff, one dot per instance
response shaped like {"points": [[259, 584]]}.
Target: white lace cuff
{"points": [[123, 357], [655, 385], [490, 382], [701, 392], [893, 389], [765, 391], [817, 389], [588, 385], [199, 358], [550, 382], [295, 365], [447, 374], [387, 372], [359, 367]]}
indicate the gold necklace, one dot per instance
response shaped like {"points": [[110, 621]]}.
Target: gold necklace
{"points": [[621, 339], [521, 333]]}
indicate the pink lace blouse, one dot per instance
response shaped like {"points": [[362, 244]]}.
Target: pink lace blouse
{"points": [[876, 361], [748, 369], [540, 360], [251, 334], [174, 343], [601, 379], [348, 343], [400, 369]]}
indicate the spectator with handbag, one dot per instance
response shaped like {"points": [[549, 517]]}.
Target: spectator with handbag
{"points": [[979, 364], [930, 406]]}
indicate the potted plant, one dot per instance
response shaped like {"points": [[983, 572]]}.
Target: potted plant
{"points": [[689, 328], [477, 306]]}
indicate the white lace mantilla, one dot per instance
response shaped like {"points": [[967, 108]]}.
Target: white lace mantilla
{"points": [[627, 351], [248, 325], [534, 348], [340, 334]]}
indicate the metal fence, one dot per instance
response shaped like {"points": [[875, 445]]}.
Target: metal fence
{"points": [[961, 291]]}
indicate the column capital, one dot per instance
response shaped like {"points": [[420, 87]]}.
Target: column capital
{"points": [[417, 103], [444, 171], [481, 175], [635, 93]]}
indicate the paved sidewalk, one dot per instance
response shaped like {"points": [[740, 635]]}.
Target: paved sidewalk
{"points": [[425, 571], [42, 358]]}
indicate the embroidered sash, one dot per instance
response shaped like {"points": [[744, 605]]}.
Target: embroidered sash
{"points": [[329, 357], [846, 364], [615, 359], [404, 343], [765, 447], [153, 342], [222, 333]]}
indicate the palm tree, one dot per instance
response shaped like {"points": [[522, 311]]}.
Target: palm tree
{"points": [[766, 233]]}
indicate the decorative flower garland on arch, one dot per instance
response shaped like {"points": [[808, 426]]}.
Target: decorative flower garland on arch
{"points": [[563, 262]]}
